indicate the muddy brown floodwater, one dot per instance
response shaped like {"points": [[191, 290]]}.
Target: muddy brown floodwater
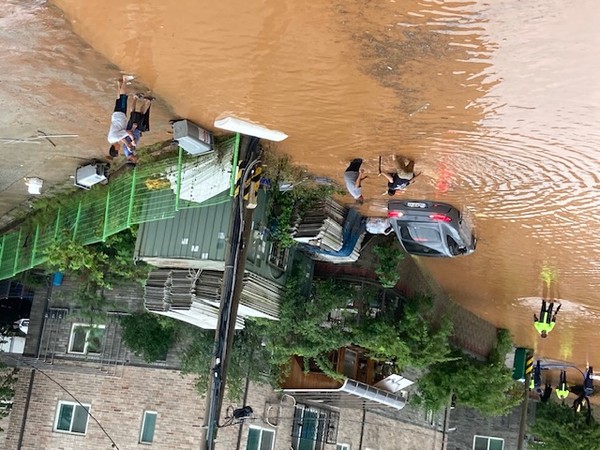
{"points": [[498, 102]]}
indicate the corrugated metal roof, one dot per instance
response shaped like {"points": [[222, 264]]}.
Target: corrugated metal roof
{"points": [[195, 233], [196, 238], [204, 177]]}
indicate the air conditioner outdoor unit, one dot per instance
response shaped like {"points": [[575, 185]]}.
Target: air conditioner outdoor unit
{"points": [[192, 138], [87, 176]]}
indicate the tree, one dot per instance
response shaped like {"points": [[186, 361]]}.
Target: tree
{"points": [[483, 385], [557, 427], [248, 360], [98, 266], [408, 337], [148, 335], [389, 256], [299, 330]]}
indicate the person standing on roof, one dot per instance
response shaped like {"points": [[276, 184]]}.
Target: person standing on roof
{"points": [[545, 323], [562, 390], [353, 177]]}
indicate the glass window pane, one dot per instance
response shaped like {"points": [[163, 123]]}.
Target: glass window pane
{"points": [[309, 425], [148, 429], [80, 420], [306, 444], [79, 338], [253, 439], [349, 364], [480, 443], [64, 418], [496, 444], [267, 440], [94, 340]]}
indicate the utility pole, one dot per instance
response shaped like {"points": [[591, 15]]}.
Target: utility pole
{"points": [[235, 261], [524, 405]]}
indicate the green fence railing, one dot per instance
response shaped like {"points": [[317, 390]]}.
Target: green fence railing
{"points": [[140, 195]]}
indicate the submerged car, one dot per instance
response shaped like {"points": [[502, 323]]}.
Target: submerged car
{"points": [[427, 228]]}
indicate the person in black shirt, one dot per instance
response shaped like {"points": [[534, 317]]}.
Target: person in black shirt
{"points": [[404, 175]]}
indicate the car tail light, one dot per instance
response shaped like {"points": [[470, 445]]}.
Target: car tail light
{"points": [[395, 214], [440, 217]]}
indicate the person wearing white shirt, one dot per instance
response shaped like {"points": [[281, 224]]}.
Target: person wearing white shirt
{"points": [[118, 133]]}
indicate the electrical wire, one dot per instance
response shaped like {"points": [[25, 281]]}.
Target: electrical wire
{"points": [[114, 444]]}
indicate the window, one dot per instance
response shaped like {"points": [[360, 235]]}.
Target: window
{"points": [[312, 428], [279, 255], [71, 418], [487, 443], [86, 338], [148, 425], [342, 446], [350, 360], [260, 439]]}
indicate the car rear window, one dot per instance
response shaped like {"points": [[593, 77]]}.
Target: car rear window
{"points": [[419, 233]]}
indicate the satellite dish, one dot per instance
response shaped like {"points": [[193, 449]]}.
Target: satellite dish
{"points": [[249, 128]]}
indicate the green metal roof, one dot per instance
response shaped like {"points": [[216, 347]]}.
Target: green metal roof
{"points": [[196, 238], [195, 233]]}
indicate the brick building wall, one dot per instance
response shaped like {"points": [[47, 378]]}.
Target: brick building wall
{"points": [[466, 423], [118, 404], [51, 335]]}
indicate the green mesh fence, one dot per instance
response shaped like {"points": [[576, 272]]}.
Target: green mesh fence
{"points": [[141, 195]]}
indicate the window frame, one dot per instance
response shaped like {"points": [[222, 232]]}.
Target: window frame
{"points": [[261, 430], [488, 440], [75, 405], [320, 422], [341, 446], [87, 335], [146, 412]]}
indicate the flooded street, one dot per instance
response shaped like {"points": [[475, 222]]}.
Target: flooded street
{"points": [[496, 101]]}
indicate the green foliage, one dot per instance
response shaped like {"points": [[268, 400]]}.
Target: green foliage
{"points": [[389, 256], [248, 360], [148, 335], [428, 343], [406, 336], [557, 427], [484, 385], [98, 266], [381, 339], [409, 339], [284, 207], [8, 379], [299, 330]]}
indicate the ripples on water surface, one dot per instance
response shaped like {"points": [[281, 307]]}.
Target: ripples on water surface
{"points": [[497, 102]]}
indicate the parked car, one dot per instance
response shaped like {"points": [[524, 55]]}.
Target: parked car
{"points": [[427, 228]]}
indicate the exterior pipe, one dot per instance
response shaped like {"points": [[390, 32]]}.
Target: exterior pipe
{"points": [[26, 410]]}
